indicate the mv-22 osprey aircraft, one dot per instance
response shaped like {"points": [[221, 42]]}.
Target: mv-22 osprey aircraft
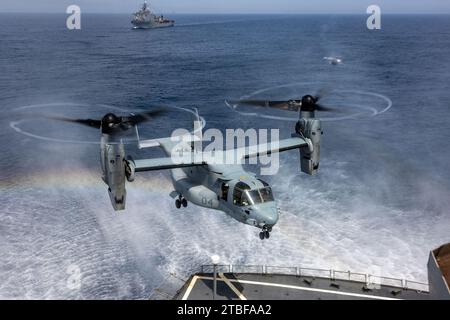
{"points": [[197, 178]]}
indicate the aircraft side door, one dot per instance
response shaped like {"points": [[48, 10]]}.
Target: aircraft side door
{"points": [[224, 191]]}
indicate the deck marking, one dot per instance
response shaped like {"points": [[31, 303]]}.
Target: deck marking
{"points": [[305, 289], [232, 287], [190, 287]]}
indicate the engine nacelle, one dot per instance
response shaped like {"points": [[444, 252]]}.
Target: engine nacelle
{"points": [[113, 165], [311, 130]]}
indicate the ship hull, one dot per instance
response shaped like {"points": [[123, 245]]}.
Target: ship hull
{"points": [[149, 25]]}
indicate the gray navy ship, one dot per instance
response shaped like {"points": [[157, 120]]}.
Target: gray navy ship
{"points": [[239, 282], [146, 19]]}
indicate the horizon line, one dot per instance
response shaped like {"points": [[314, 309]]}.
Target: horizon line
{"points": [[240, 13]]}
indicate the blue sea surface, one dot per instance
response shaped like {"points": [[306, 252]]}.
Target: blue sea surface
{"points": [[379, 204]]}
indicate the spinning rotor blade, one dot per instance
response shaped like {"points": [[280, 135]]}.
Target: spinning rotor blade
{"points": [[110, 123], [306, 103], [262, 103], [282, 105], [86, 122], [135, 119], [320, 107]]}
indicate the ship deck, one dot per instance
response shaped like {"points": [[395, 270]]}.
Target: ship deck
{"points": [[246, 286]]}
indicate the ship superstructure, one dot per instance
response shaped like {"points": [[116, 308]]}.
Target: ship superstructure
{"points": [[146, 19]]}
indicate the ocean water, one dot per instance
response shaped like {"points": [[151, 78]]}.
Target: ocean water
{"points": [[379, 204]]}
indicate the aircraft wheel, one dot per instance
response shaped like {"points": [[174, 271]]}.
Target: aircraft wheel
{"points": [[262, 235], [184, 203], [267, 234], [178, 203]]}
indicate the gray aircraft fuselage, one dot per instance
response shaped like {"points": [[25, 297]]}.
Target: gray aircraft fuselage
{"points": [[229, 189]]}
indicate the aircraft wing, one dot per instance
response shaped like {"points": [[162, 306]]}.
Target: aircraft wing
{"points": [[243, 153], [269, 148], [164, 164]]}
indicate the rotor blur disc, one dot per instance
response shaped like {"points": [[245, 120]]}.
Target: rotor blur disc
{"points": [[19, 124], [359, 110]]}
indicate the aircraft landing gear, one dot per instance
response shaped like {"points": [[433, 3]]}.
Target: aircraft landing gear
{"points": [[181, 201], [265, 233]]}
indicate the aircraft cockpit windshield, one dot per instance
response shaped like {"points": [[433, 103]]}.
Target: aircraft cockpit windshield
{"points": [[260, 195], [243, 195]]}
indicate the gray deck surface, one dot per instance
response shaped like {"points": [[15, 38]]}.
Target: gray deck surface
{"points": [[276, 287]]}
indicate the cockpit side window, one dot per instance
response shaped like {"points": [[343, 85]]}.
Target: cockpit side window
{"points": [[245, 201], [239, 196]]}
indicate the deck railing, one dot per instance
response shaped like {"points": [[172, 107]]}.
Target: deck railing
{"points": [[368, 279]]}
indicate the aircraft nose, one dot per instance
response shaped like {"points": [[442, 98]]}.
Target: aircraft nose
{"points": [[272, 219], [268, 215]]}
